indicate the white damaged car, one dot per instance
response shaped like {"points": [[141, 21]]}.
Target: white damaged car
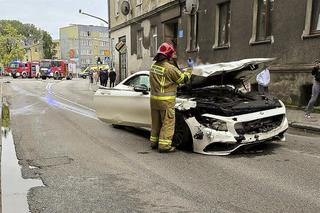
{"points": [[214, 115]]}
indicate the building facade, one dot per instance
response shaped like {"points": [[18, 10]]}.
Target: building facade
{"points": [[57, 49], [34, 52], [83, 44], [225, 30]]}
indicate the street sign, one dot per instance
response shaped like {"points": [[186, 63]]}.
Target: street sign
{"points": [[106, 52], [121, 47]]}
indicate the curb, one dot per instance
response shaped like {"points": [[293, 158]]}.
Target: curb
{"points": [[300, 125]]}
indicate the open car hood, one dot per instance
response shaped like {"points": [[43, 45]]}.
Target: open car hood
{"points": [[229, 73]]}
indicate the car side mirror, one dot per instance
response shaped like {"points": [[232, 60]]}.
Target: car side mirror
{"points": [[141, 88]]}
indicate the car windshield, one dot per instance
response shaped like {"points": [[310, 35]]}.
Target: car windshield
{"points": [[14, 65], [45, 64], [56, 63]]}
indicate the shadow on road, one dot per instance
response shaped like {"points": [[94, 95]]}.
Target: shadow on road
{"points": [[256, 150]]}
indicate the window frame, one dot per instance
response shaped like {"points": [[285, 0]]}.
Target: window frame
{"points": [[139, 43], [192, 33], [139, 7], [268, 39], [153, 40], [127, 82], [307, 32], [216, 45]]}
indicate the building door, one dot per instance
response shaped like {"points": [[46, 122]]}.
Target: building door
{"points": [[123, 61], [171, 31]]}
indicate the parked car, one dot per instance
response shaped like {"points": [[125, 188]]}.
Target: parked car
{"points": [[94, 68], [213, 116]]}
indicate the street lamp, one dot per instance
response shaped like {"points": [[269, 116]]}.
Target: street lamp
{"points": [[105, 21]]}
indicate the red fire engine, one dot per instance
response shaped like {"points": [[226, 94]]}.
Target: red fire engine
{"points": [[23, 69]]}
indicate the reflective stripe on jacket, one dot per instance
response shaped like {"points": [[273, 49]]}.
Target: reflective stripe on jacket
{"points": [[164, 80]]}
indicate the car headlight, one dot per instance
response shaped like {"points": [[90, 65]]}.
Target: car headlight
{"points": [[213, 123]]}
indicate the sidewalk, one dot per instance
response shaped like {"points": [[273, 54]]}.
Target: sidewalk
{"points": [[297, 120]]}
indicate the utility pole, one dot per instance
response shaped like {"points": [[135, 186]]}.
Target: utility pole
{"points": [[105, 21]]}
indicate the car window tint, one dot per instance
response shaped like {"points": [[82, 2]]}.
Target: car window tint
{"points": [[138, 80]]}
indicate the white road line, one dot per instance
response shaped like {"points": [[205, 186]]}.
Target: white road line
{"points": [[49, 88]]}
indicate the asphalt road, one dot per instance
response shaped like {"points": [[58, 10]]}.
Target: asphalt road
{"points": [[88, 166]]}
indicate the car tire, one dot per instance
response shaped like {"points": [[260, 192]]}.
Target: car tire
{"points": [[14, 76], [182, 138], [44, 77], [24, 75], [56, 76]]}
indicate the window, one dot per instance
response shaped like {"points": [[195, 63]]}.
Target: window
{"points": [[153, 41], [139, 43], [139, 7], [222, 29], [192, 32], [312, 22], [315, 22], [138, 80], [262, 22], [116, 8]]}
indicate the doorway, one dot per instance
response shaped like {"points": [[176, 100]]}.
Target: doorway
{"points": [[123, 61], [171, 31]]}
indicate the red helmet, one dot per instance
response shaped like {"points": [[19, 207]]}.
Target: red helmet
{"points": [[166, 49]]}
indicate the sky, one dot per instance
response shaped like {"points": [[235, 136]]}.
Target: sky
{"points": [[50, 15]]}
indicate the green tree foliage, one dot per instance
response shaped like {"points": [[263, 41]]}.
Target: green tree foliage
{"points": [[15, 36], [48, 45], [11, 47]]}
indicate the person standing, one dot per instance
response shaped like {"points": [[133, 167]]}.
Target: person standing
{"points": [[315, 88], [90, 79], [263, 79], [112, 77], [164, 80]]}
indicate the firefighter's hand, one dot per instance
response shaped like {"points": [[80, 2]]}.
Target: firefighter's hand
{"points": [[190, 63]]}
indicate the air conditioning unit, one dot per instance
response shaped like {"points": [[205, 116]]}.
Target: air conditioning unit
{"points": [[192, 7]]}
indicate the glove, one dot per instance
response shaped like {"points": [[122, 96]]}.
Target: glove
{"points": [[190, 63]]}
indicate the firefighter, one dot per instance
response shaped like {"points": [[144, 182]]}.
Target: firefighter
{"points": [[164, 80]]}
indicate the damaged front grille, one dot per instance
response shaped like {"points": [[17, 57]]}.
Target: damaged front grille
{"points": [[260, 125]]}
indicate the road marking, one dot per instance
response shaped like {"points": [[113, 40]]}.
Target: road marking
{"points": [[49, 88]]}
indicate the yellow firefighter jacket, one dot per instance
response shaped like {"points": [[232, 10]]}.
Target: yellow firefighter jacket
{"points": [[164, 80]]}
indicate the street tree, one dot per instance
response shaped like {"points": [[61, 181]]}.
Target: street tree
{"points": [[11, 47]]}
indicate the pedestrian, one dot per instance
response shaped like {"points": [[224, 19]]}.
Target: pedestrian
{"points": [[90, 79], [315, 88], [112, 77], [95, 76], [104, 77], [263, 79], [164, 80]]}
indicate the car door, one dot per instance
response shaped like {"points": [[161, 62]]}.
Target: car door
{"points": [[122, 105]]}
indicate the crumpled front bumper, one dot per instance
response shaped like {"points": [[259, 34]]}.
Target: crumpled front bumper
{"points": [[204, 138]]}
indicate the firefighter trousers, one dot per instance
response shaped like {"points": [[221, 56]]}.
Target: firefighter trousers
{"points": [[163, 124]]}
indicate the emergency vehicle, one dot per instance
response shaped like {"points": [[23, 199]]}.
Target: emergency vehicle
{"points": [[56, 69], [23, 69]]}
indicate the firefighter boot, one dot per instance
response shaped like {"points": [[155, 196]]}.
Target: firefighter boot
{"points": [[171, 149]]}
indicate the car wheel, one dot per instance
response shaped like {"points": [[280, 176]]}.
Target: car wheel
{"points": [[44, 77], [24, 75], [182, 138], [56, 76]]}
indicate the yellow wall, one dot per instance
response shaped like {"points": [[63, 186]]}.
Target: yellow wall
{"points": [[34, 53]]}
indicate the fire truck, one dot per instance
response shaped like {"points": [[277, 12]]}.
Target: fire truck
{"points": [[56, 69], [22, 69]]}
